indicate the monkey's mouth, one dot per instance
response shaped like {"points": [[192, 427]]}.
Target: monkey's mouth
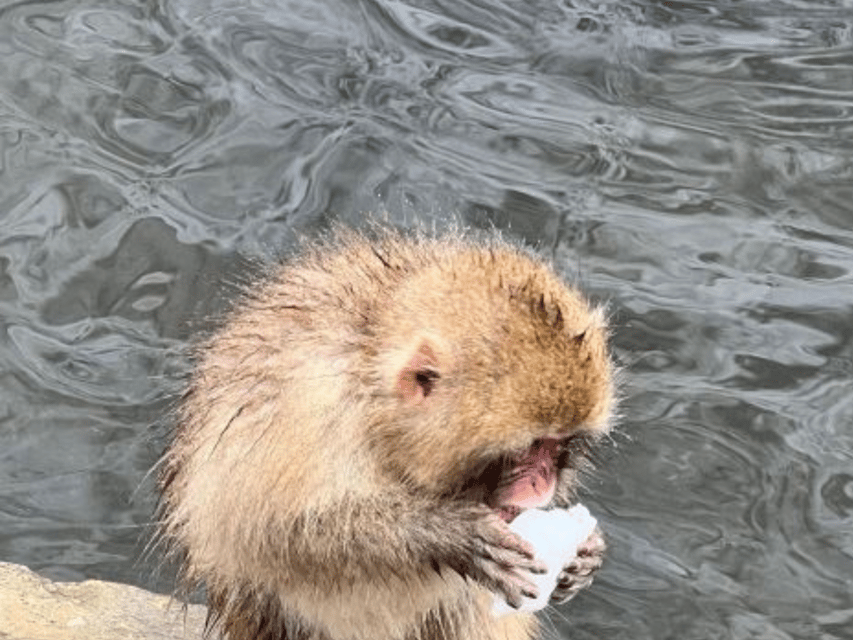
{"points": [[531, 480]]}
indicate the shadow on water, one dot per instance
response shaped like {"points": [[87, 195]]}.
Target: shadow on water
{"points": [[687, 162]]}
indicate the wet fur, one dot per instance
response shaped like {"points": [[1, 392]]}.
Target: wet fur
{"points": [[344, 432]]}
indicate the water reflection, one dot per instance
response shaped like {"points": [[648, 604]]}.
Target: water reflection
{"points": [[689, 163]]}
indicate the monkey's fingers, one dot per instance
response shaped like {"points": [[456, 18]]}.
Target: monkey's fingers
{"points": [[493, 533], [594, 545], [581, 567], [511, 558], [566, 591], [578, 574], [589, 558], [507, 582], [570, 582]]}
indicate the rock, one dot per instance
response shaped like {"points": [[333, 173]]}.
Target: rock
{"points": [[35, 608]]}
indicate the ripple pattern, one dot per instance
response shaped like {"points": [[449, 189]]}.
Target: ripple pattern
{"points": [[689, 163]]}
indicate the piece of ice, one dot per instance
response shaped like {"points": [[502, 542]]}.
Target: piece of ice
{"points": [[556, 536]]}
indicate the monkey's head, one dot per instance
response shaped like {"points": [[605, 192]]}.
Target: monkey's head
{"points": [[499, 382]]}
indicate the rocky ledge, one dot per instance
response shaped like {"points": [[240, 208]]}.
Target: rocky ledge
{"points": [[35, 608]]}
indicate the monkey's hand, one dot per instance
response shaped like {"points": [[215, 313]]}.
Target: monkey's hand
{"points": [[578, 573], [501, 559]]}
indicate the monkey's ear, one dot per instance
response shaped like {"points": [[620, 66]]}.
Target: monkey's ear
{"points": [[417, 379]]}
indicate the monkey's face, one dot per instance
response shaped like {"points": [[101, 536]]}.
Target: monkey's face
{"points": [[535, 477], [507, 439], [516, 419], [495, 387]]}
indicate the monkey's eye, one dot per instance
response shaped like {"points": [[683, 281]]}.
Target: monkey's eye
{"points": [[416, 379], [425, 379]]}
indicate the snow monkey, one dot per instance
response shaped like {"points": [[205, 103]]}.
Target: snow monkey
{"points": [[361, 430]]}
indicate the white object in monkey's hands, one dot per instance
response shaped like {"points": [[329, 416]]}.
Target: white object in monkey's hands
{"points": [[555, 536]]}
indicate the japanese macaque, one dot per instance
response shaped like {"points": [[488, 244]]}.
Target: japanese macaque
{"points": [[361, 430]]}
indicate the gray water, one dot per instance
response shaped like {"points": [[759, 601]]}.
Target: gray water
{"points": [[688, 163]]}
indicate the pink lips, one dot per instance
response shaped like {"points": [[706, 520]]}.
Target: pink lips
{"points": [[536, 481]]}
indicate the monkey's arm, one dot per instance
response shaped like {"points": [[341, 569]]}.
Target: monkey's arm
{"points": [[359, 540]]}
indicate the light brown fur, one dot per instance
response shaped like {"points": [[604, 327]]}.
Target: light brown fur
{"points": [[323, 479]]}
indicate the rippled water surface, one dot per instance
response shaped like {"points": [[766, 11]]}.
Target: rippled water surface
{"points": [[690, 163]]}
